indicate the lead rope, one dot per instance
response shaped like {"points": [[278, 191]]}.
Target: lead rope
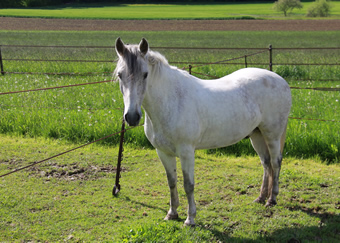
{"points": [[116, 187]]}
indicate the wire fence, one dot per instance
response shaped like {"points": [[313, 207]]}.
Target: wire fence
{"points": [[118, 108], [11, 53], [191, 65]]}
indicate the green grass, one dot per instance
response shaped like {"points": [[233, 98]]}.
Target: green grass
{"points": [[163, 11], [87, 113], [69, 198]]}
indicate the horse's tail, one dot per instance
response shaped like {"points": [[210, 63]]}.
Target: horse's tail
{"points": [[283, 139]]}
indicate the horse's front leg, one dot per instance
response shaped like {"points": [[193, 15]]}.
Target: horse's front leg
{"points": [[187, 157], [169, 163]]}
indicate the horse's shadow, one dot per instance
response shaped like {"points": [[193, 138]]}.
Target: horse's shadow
{"points": [[292, 234], [126, 198]]}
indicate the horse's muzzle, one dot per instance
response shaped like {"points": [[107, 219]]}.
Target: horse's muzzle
{"points": [[132, 118]]}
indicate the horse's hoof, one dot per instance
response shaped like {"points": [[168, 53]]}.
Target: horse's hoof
{"points": [[189, 222], [271, 203], [260, 200], [171, 217]]}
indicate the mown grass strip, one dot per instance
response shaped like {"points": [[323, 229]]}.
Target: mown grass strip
{"points": [[163, 11]]}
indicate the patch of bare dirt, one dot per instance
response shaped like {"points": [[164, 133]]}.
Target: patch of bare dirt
{"points": [[73, 171], [9, 23], [70, 172]]}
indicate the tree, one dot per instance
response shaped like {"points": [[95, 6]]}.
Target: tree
{"points": [[319, 8], [287, 5]]}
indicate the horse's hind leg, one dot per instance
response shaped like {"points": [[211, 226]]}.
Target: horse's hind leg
{"points": [[261, 149], [275, 161], [169, 164]]}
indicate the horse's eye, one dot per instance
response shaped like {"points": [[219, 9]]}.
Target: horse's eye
{"points": [[120, 75], [145, 75]]}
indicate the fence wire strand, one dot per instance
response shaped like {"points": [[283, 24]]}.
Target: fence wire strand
{"points": [[63, 73], [56, 87], [312, 119], [318, 88], [227, 60], [57, 155]]}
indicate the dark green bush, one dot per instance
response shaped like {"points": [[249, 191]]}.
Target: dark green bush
{"points": [[34, 3], [29, 3], [10, 3]]}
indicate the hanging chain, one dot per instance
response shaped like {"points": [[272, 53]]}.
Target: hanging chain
{"points": [[116, 187]]}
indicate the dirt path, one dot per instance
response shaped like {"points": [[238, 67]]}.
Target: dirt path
{"points": [[9, 23]]}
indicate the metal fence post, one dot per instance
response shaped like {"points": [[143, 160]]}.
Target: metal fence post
{"points": [[190, 69], [245, 61], [1, 65], [270, 58]]}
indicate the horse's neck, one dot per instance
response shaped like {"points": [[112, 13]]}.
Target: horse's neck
{"points": [[162, 91]]}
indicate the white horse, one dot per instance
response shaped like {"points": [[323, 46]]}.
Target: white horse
{"points": [[184, 113]]}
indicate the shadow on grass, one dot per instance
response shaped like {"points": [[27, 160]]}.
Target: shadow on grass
{"points": [[76, 6], [328, 230], [127, 199], [103, 4]]}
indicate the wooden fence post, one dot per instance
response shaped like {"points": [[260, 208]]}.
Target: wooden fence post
{"points": [[1, 65], [270, 58]]}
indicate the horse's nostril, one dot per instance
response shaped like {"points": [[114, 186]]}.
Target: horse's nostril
{"points": [[138, 116], [128, 118], [132, 119]]}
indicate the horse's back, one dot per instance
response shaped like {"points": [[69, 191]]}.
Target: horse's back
{"points": [[259, 85], [257, 77], [262, 85]]}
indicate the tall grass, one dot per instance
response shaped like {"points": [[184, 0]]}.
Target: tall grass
{"points": [[85, 113]]}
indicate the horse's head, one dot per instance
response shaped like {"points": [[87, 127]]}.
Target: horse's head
{"points": [[132, 72]]}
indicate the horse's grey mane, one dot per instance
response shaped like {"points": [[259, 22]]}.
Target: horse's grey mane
{"points": [[158, 61], [155, 59]]}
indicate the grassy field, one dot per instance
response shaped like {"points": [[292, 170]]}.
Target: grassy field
{"points": [[164, 11], [69, 198], [86, 113]]}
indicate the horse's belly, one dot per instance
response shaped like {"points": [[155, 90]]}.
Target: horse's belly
{"points": [[227, 130], [223, 139]]}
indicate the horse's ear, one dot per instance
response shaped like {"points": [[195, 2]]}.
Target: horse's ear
{"points": [[120, 47], [143, 46]]}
